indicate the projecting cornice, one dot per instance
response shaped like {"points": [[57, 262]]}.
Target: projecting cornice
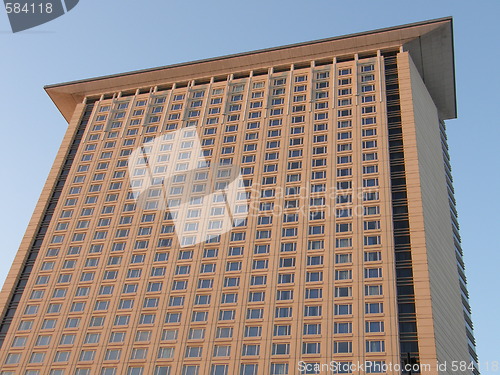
{"points": [[430, 43]]}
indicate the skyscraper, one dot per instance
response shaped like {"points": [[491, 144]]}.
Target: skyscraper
{"points": [[282, 211]]}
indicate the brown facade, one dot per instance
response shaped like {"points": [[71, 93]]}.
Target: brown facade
{"points": [[341, 246]]}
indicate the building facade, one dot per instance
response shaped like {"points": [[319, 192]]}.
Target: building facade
{"points": [[282, 211]]}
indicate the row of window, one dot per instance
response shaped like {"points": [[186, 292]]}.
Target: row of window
{"points": [[204, 299], [235, 88], [340, 309], [118, 337], [233, 251], [279, 330], [235, 236], [231, 266], [154, 114], [271, 144], [342, 367], [343, 123], [339, 347], [200, 176]]}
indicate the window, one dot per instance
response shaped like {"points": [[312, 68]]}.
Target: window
{"points": [[75, 307], [343, 292], [112, 355], [62, 356], [287, 262], [196, 334], [193, 352], [288, 246], [87, 355], [255, 313], [229, 298], [37, 357], [176, 301], [49, 324], [312, 329], [32, 309], [279, 368], [122, 320], [373, 256], [190, 370], [179, 285], [374, 327], [370, 196], [205, 283], [233, 266], [224, 332], [343, 274], [249, 369], [67, 340], [374, 308], [284, 295], [282, 330], [279, 81], [219, 369], [147, 319], [19, 342], [162, 370], [226, 314], [342, 309], [92, 338], [373, 290], [314, 276], [283, 312], [139, 353], [343, 242], [250, 350], [370, 156], [285, 278], [342, 327], [169, 334], [371, 240], [256, 296], [314, 293], [371, 210], [37, 294], [13, 358], [117, 337], [375, 346], [150, 302], [199, 316], [312, 310], [367, 68], [97, 321], [373, 272], [311, 348], [342, 347]]}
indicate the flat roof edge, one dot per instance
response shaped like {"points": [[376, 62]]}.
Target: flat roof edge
{"points": [[430, 42], [254, 52]]}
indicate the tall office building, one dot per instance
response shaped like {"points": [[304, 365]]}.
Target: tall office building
{"points": [[261, 213]]}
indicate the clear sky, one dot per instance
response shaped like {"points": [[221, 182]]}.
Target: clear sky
{"points": [[105, 37]]}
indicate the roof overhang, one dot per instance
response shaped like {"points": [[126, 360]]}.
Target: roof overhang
{"points": [[434, 58], [430, 44]]}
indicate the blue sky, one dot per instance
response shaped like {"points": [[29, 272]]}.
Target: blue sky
{"points": [[99, 37]]}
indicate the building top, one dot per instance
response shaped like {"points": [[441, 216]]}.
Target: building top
{"points": [[430, 44]]}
